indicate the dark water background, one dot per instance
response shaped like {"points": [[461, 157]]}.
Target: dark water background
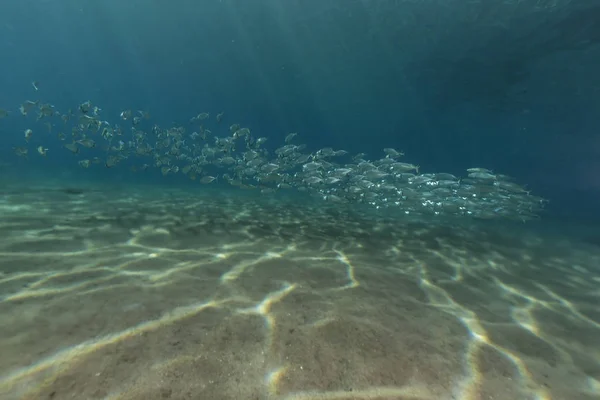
{"points": [[511, 86]]}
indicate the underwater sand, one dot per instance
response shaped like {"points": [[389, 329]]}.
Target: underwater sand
{"points": [[140, 293]]}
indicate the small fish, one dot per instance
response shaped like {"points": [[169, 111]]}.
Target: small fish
{"points": [[241, 132], [85, 163], [290, 137], [35, 85], [511, 187], [207, 179], [21, 151], [392, 153], [85, 107], [72, 147], [485, 176], [111, 161], [45, 110], [42, 151], [28, 134], [27, 106], [400, 167], [479, 170], [87, 143], [220, 116], [125, 115]]}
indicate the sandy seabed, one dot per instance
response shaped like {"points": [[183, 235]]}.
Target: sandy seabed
{"points": [[203, 294]]}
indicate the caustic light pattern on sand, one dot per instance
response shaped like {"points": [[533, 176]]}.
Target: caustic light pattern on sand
{"points": [[197, 295]]}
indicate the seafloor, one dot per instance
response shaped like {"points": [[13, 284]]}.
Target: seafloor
{"points": [[160, 293]]}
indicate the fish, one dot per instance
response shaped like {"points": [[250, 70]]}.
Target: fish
{"points": [[288, 139], [85, 107], [27, 106], [392, 153], [207, 179], [87, 143], [72, 147], [200, 117], [28, 133], [21, 151], [245, 160], [126, 114]]}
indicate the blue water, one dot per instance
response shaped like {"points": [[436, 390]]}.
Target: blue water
{"points": [[140, 286], [512, 87]]}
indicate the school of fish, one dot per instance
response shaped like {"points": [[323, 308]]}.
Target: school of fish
{"points": [[233, 154]]}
